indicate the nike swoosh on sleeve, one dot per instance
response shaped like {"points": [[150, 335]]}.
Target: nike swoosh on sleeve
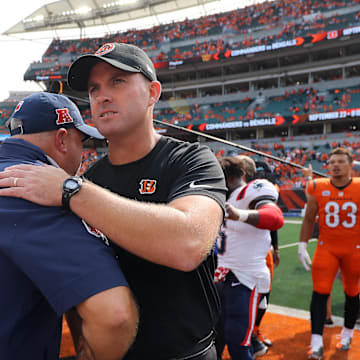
{"points": [[195, 186]]}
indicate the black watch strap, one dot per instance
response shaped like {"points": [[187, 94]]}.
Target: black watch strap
{"points": [[71, 186]]}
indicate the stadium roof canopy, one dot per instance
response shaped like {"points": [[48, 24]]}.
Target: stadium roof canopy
{"points": [[69, 14]]}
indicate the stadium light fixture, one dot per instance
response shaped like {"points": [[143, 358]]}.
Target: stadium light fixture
{"points": [[119, 3], [83, 10], [125, 2], [36, 18]]}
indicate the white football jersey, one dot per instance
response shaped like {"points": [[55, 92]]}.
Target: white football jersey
{"points": [[243, 247]]}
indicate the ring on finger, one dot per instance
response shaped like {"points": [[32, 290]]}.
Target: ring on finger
{"points": [[15, 181]]}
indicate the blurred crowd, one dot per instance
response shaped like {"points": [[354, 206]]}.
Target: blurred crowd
{"points": [[258, 24], [290, 177]]}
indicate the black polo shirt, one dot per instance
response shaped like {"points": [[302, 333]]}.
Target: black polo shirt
{"points": [[177, 309]]}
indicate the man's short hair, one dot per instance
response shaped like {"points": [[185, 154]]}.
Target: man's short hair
{"points": [[341, 151], [232, 167], [249, 165]]}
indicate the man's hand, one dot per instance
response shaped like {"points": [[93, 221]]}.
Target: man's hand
{"points": [[304, 256], [307, 172], [233, 213], [276, 257], [39, 184]]}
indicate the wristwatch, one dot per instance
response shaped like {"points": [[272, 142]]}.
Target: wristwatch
{"points": [[71, 186]]}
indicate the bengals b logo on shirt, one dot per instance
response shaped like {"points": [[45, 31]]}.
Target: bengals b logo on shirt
{"points": [[147, 186]]}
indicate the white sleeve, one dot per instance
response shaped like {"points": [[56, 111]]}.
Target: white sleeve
{"points": [[258, 191]]}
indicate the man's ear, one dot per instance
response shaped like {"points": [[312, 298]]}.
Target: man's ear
{"points": [[61, 140], [155, 92]]}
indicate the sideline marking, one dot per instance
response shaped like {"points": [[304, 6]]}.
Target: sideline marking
{"points": [[303, 314], [293, 222], [294, 244]]}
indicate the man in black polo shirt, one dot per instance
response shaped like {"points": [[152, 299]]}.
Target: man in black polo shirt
{"points": [[169, 207]]}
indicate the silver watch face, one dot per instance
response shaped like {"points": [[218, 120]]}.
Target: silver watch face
{"points": [[71, 184]]}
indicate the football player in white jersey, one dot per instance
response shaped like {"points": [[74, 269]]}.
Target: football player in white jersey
{"points": [[242, 275]]}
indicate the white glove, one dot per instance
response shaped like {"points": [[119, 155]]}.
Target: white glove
{"points": [[304, 256]]}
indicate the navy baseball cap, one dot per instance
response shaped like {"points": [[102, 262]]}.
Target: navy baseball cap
{"points": [[123, 56], [45, 111]]}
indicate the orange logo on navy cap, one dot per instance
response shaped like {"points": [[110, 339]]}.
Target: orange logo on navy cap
{"points": [[105, 49], [147, 186], [63, 117], [18, 106]]}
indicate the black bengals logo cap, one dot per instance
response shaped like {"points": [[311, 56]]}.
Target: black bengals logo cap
{"points": [[123, 56]]}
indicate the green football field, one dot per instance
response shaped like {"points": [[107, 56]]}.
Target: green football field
{"points": [[292, 284]]}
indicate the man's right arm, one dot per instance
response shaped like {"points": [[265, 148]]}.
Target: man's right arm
{"points": [[306, 230], [141, 228], [309, 219], [108, 325], [268, 216]]}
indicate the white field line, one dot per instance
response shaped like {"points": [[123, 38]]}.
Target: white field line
{"points": [[293, 222], [302, 314], [294, 244]]}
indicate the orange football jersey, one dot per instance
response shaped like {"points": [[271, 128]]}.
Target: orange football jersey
{"points": [[338, 209]]}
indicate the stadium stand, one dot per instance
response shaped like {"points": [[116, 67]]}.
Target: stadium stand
{"points": [[281, 76], [221, 33]]}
